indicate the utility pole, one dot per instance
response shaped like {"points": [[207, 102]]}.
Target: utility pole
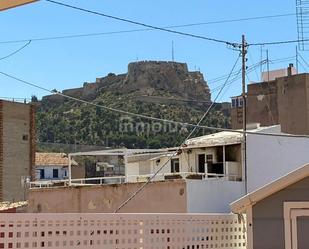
{"points": [[244, 107]]}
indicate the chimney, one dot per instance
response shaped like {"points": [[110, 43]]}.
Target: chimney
{"points": [[290, 69]]}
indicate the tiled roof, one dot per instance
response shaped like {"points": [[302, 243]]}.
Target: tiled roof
{"points": [[9, 205], [52, 159]]}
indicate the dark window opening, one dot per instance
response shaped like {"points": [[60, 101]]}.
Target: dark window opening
{"points": [[215, 168], [201, 163], [175, 165], [234, 103], [55, 173], [42, 174], [237, 102], [240, 102]]}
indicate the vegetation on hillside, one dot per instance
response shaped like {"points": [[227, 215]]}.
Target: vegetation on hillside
{"points": [[72, 122]]}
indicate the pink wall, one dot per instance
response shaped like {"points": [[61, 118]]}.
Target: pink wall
{"points": [[157, 197]]}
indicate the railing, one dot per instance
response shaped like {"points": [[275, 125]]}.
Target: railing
{"points": [[122, 231], [78, 181], [129, 178], [181, 175]]}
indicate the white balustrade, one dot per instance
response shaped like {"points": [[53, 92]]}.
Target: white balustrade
{"points": [[122, 231]]}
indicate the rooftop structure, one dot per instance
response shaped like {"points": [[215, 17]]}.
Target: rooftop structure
{"points": [[52, 166], [281, 100], [17, 149], [211, 169]]}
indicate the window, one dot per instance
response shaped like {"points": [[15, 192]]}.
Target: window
{"points": [[234, 103], [209, 158], [237, 102], [55, 173], [201, 163], [42, 174], [240, 102], [175, 165], [25, 137]]}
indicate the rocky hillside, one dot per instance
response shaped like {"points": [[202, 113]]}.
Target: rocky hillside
{"points": [[146, 78], [159, 89]]}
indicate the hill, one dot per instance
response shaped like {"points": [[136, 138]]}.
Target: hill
{"points": [[159, 89]]}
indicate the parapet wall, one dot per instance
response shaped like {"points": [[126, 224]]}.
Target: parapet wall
{"points": [[160, 197]]}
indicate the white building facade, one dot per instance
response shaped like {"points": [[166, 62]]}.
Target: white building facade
{"points": [[214, 169], [51, 166]]}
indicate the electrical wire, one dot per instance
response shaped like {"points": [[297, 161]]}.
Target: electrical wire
{"points": [[251, 58], [233, 44], [148, 117], [268, 100], [16, 51], [237, 76], [302, 65], [223, 77], [165, 29], [175, 153], [147, 29], [306, 63], [277, 42], [283, 59]]}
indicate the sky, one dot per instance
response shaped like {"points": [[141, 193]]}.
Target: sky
{"points": [[68, 63]]}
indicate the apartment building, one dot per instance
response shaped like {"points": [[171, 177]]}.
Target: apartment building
{"points": [[17, 149], [283, 99]]}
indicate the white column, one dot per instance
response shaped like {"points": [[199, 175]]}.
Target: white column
{"points": [[70, 171], [126, 179], [224, 164]]}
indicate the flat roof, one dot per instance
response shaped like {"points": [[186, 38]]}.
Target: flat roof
{"points": [[227, 137], [116, 152]]}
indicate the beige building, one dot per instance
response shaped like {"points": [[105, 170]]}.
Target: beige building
{"points": [[17, 149], [283, 100]]}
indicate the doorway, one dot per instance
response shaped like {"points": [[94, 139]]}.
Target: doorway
{"points": [[201, 163]]}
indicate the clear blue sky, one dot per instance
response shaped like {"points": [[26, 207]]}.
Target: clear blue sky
{"points": [[69, 63]]}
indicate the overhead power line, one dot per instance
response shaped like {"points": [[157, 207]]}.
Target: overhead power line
{"points": [[70, 36], [223, 77], [233, 44], [306, 63], [238, 76], [148, 117], [16, 51], [277, 42]]}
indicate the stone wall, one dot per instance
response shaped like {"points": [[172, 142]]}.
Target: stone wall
{"points": [[145, 77]]}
